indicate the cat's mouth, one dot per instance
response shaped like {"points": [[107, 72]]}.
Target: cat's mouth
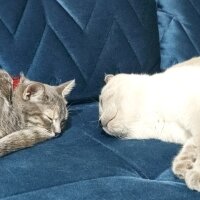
{"points": [[58, 134]]}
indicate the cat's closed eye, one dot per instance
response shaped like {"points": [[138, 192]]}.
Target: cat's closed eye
{"points": [[50, 119]]}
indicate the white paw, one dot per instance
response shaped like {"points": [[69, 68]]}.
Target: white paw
{"points": [[192, 179], [180, 167]]}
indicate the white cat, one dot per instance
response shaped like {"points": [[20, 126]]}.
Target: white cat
{"points": [[163, 106]]}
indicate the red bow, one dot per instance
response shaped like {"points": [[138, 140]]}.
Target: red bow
{"points": [[16, 80]]}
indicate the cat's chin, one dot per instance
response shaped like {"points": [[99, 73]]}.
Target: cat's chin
{"points": [[106, 130], [114, 134], [57, 135]]}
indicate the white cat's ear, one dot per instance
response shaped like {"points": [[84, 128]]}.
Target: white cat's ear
{"points": [[108, 77], [34, 92], [65, 88]]}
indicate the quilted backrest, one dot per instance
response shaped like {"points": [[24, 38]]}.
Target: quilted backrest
{"points": [[57, 40], [179, 30]]}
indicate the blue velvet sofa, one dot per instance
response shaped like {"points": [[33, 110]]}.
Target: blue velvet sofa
{"points": [[57, 40]]}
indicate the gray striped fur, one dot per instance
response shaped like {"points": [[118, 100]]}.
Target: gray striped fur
{"points": [[31, 113]]}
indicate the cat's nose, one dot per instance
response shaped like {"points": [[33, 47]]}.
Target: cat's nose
{"points": [[57, 131], [56, 127]]}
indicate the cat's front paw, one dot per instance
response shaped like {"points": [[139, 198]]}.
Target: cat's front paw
{"points": [[192, 179], [180, 167]]}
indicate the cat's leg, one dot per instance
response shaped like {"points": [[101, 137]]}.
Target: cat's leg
{"points": [[185, 159], [192, 177], [23, 139], [192, 152]]}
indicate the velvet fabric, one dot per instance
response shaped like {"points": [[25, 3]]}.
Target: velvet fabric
{"points": [[179, 27], [54, 41], [57, 40], [84, 163]]}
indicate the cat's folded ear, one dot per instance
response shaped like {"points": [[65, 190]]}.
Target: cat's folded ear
{"points": [[108, 77], [65, 88], [34, 92]]}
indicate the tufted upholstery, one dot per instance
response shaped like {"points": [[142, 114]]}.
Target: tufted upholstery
{"points": [[179, 27], [57, 40]]}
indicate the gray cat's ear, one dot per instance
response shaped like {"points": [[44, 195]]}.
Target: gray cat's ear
{"points": [[108, 77], [65, 88], [34, 92], [23, 79]]}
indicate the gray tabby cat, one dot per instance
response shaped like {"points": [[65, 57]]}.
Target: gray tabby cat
{"points": [[31, 113]]}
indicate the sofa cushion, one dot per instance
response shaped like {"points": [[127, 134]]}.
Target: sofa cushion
{"points": [[84, 163], [179, 27], [54, 41]]}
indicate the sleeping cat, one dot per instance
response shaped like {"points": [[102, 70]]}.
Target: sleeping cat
{"points": [[163, 106], [31, 113]]}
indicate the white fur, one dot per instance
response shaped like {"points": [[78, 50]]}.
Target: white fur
{"points": [[163, 106]]}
